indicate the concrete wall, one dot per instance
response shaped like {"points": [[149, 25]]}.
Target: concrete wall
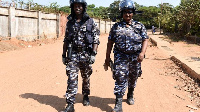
{"points": [[4, 22], [104, 26], [25, 28], [31, 25], [28, 25], [36, 25], [4, 26]]}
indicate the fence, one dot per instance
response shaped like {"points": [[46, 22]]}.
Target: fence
{"points": [[30, 25]]}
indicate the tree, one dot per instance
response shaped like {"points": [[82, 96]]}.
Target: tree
{"points": [[166, 17], [189, 17], [92, 6], [29, 4], [54, 7], [113, 10], [21, 2], [65, 9], [149, 15], [90, 10]]}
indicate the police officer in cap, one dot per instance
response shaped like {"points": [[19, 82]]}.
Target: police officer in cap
{"points": [[130, 43], [79, 50]]}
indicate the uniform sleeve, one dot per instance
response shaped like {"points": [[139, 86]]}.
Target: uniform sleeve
{"points": [[95, 33], [144, 33], [66, 33], [112, 33]]}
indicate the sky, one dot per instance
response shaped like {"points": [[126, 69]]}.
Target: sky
{"points": [[106, 3]]}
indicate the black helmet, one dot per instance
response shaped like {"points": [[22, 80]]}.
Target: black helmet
{"points": [[71, 2], [126, 4], [72, 15]]}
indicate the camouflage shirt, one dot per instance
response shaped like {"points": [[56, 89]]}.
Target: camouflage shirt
{"points": [[82, 34], [128, 39]]}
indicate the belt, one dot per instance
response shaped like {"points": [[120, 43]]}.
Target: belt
{"points": [[79, 49], [128, 53]]}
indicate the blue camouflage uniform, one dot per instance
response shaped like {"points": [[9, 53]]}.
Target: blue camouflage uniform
{"points": [[128, 45], [83, 35]]}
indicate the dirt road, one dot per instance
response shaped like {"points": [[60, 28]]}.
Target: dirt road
{"points": [[34, 80]]}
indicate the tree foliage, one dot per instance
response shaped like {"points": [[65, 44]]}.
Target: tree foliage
{"points": [[149, 16], [183, 19], [113, 10], [189, 17], [65, 9]]}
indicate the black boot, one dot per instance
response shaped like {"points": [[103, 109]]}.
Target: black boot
{"points": [[130, 99], [118, 104], [86, 101], [70, 108]]}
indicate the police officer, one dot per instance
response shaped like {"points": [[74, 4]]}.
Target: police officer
{"points": [[79, 51], [130, 43]]}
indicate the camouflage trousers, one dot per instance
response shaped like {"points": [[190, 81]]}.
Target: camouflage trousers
{"points": [[72, 71], [126, 72]]}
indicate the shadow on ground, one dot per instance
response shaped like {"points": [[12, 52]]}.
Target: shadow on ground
{"points": [[59, 103]]}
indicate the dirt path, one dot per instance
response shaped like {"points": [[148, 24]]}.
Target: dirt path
{"points": [[34, 80]]}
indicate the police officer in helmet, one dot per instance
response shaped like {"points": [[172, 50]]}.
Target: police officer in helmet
{"points": [[79, 50], [130, 41]]}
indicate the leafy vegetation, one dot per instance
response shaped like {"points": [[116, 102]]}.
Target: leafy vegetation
{"points": [[183, 19]]}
